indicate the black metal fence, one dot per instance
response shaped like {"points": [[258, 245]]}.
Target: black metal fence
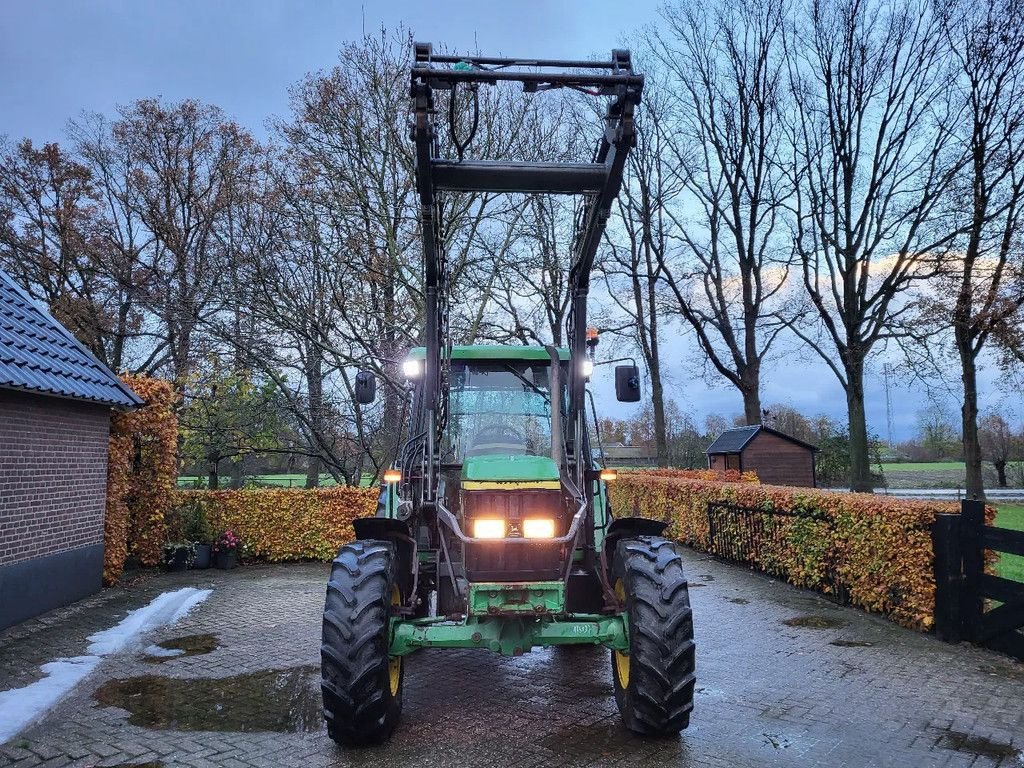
{"points": [[777, 542]]}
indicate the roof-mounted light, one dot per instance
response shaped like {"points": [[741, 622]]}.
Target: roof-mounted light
{"points": [[412, 368], [587, 367]]}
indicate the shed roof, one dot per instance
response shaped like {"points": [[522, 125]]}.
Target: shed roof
{"points": [[735, 440], [39, 355]]}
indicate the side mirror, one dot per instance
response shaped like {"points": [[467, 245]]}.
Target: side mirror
{"points": [[627, 383], [366, 387]]}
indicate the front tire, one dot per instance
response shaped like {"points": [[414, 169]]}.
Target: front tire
{"points": [[361, 683], [654, 681]]}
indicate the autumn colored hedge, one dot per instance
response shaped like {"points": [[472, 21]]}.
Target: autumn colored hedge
{"points": [[282, 524], [711, 475], [877, 549], [141, 472]]}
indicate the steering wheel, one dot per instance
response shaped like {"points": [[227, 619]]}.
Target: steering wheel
{"points": [[499, 435]]}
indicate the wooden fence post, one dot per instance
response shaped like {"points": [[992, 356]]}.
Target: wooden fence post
{"points": [[948, 577], [972, 605]]}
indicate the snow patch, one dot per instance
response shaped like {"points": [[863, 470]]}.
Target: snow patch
{"points": [[161, 652], [166, 609], [20, 706]]}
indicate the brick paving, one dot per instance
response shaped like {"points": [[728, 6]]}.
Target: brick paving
{"points": [[769, 694]]}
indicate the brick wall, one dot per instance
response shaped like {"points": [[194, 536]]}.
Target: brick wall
{"points": [[53, 475], [779, 462]]}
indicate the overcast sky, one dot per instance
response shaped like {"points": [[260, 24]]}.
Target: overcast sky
{"points": [[59, 58]]}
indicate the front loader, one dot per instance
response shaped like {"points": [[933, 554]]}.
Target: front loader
{"points": [[494, 528]]}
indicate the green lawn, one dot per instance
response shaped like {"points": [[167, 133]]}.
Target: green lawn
{"points": [[1011, 516], [923, 466]]}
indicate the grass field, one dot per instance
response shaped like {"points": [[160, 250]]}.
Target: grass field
{"points": [[923, 466], [1011, 516], [935, 474]]}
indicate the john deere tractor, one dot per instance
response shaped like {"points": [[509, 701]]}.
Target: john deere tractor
{"points": [[494, 528]]}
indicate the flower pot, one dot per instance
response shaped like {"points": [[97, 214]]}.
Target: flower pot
{"points": [[203, 556], [180, 560], [225, 560]]}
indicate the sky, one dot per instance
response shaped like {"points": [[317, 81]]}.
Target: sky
{"points": [[61, 57]]}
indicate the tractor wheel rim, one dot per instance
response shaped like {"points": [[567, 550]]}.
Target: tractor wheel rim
{"points": [[621, 659], [395, 662]]}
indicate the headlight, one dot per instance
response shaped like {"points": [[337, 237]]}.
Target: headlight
{"points": [[488, 529], [539, 529], [412, 369]]}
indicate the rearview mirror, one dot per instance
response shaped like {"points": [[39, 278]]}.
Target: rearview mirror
{"points": [[366, 387], [627, 383]]}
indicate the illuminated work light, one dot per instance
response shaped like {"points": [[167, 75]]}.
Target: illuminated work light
{"points": [[609, 474], [588, 367], [392, 475], [488, 529], [539, 529], [412, 369]]}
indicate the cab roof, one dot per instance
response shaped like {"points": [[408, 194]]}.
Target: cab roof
{"points": [[494, 352]]}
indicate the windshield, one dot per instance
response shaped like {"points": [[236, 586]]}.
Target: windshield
{"points": [[498, 408]]}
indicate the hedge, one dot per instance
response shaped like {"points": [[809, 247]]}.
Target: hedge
{"points": [[877, 549], [281, 524], [141, 473]]}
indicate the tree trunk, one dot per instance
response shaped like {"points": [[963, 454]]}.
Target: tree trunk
{"points": [[860, 462], [658, 402], [975, 486], [313, 467], [315, 386], [237, 472], [1001, 472], [751, 403], [213, 479]]}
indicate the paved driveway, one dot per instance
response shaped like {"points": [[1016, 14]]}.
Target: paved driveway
{"points": [[837, 687]]}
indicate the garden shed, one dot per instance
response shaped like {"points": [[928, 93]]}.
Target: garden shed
{"points": [[55, 405], [777, 458]]}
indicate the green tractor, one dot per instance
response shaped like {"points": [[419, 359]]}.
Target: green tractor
{"points": [[494, 528]]}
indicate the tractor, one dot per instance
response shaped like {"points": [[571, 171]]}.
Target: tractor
{"points": [[494, 529]]}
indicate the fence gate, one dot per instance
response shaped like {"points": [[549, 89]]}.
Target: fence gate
{"points": [[971, 602]]}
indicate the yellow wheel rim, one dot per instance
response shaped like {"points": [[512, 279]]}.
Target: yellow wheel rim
{"points": [[621, 659], [395, 662]]}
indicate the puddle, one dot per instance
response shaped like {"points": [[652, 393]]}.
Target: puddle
{"points": [[285, 700], [738, 601], [958, 741], [814, 622], [852, 643], [178, 647]]}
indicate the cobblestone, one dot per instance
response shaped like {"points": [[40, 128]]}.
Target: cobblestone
{"points": [[768, 694]]}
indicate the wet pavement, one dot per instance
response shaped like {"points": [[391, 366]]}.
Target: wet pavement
{"points": [[784, 678]]}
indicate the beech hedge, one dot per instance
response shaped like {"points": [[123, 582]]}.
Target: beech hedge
{"points": [[281, 524], [876, 549]]}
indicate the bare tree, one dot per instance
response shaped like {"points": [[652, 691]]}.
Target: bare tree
{"points": [[985, 269], [728, 148], [869, 86]]}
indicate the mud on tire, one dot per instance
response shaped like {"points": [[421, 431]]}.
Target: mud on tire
{"points": [[654, 682], [361, 684]]}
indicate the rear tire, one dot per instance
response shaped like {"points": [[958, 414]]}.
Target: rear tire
{"points": [[361, 684], [654, 681]]}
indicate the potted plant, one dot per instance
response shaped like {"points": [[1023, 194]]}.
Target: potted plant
{"points": [[196, 529], [225, 550], [177, 556]]}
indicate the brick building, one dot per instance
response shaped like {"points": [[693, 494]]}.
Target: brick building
{"points": [[777, 458], [55, 404]]}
